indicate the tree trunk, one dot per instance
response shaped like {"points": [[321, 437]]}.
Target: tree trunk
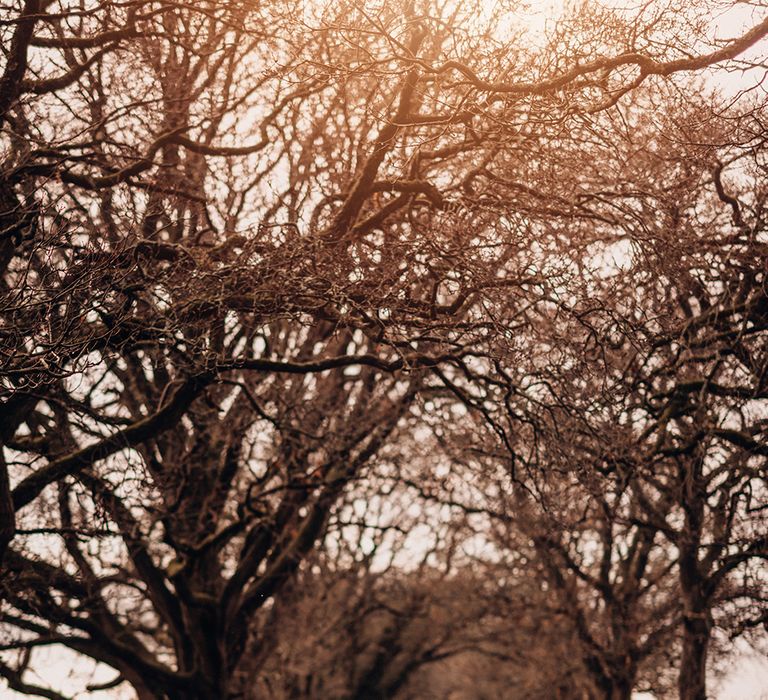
{"points": [[611, 678], [692, 682], [7, 512], [622, 689], [697, 619], [614, 688]]}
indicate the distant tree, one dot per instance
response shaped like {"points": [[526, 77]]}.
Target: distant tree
{"points": [[392, 607], [560, 538]]}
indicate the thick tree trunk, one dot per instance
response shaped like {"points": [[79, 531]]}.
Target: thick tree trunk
{"points": [[692, 682], [613, 677], [697, 619], [12, 414], [622, 689], [617, 689]]}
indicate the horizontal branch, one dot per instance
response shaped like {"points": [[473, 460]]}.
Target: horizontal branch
{"points": [[167, 416], [134, 434], [647, 66]]}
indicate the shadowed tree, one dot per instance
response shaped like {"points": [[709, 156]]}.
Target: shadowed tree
{"points": [[236, 243], [632, 437]]}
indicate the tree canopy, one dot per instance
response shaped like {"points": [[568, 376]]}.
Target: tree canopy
{"points": [[357, 349]]}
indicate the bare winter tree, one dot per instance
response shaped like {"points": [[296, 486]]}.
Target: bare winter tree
{"points": [[395, 606], [240, 243], [634, 455]]}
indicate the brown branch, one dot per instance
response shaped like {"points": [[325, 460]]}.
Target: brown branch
{"points": [[647, 66], [134, 434], [40, 87], [16, 65]]}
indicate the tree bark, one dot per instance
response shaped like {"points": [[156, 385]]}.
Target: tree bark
{"points": [[692, 682], [7, 512], [617, 688]]}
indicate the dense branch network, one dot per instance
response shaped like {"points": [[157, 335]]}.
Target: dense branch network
{"points": [[262, 263]]}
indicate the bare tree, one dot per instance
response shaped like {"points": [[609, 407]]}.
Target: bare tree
{"points": [[634, 449], [237, 243]]}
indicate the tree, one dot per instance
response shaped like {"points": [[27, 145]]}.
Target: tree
{"points": [[237, 244], [702, 383], [647, 422], [395, 606]]}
